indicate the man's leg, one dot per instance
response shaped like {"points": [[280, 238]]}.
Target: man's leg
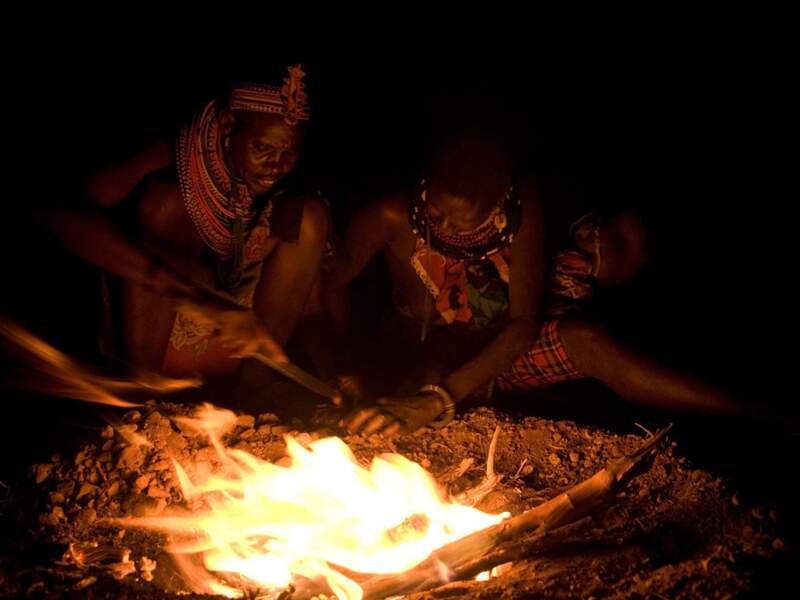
{"points": [[594, 353], [147, 326]]}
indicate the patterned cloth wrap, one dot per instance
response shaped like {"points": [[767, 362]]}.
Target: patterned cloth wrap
{"points": [[473, 290]]}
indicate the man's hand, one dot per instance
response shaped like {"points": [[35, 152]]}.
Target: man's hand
{"points": [[391, 416], [239, 329]]}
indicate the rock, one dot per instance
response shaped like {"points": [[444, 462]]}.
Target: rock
{"points": [[131, 458], [281, 430], [554, 459], [268, 419], [148, 507], [779, 546], [425, 463], [66, 488], [108, 433], [113, 489], [57, 498], [264, 429], [93, 478], [153, 419], [574, 457], [286, 462], [557, 436], [133, 416], [155, 491], [176, 442], [526, 470], [87, 516], [142, 482], [42, 472], [246, 421], [48, 520], [105, 457], [58, 513], [247, 434], [81, 456], [108, 446], [87, 489]]}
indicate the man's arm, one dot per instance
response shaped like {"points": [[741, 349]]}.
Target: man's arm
{"points": [[110, 185], [391, 415], [526, 291], [370, 231]]}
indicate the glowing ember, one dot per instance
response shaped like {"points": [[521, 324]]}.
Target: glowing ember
{"points": [[261, 526]]}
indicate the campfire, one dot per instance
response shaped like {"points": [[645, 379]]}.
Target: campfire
{"points": [[243, 506], [263, 525], [173, 500]]}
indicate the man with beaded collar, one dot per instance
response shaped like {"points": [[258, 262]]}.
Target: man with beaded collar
{"points": [[465, 251], [213, 215]]}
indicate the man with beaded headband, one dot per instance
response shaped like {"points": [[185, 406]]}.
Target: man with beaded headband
{"points": [[465, 251], [215, 215]]}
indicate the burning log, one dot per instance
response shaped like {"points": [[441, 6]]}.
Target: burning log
{"points": [[466, 557]]}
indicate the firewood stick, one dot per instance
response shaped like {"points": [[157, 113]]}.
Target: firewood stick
{"points": [[563, 509]]}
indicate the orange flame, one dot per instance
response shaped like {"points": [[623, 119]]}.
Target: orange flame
{"points": [[53, 372], [263, 526]]}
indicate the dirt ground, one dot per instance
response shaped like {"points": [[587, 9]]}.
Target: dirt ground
{"points": [[675, 532]]}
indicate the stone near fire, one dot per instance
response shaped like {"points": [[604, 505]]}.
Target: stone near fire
{"points": [[42, 472], [148, 507], [176, 442], [161, 465], [155, 491], [87, 489], [132, 417], [87, 516], [268, 419], [554, 459], [246, 421], [130, 458], [108, 433], [141, 482], [113, 489]]}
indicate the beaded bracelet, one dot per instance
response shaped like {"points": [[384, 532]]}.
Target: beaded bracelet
{"points": [[449, 410]]}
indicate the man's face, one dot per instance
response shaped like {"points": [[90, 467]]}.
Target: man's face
{"points": [[455, 214], [263, 149]]}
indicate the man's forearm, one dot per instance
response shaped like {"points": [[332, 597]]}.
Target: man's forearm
{"points": [[517, 337]]}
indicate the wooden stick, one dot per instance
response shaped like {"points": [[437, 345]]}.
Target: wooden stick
{"points": [[559, 511], [298, 375]]}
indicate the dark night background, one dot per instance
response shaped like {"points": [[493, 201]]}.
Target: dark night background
{"points": [[684, 126]]}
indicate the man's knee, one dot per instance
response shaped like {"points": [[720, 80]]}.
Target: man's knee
{"points": [[316, 223], [577, 331], [623, 249]]}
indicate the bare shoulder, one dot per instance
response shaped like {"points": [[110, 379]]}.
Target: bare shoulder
{"points": [[160, 208], [389, 212], [316, 221], [114, 182]]}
